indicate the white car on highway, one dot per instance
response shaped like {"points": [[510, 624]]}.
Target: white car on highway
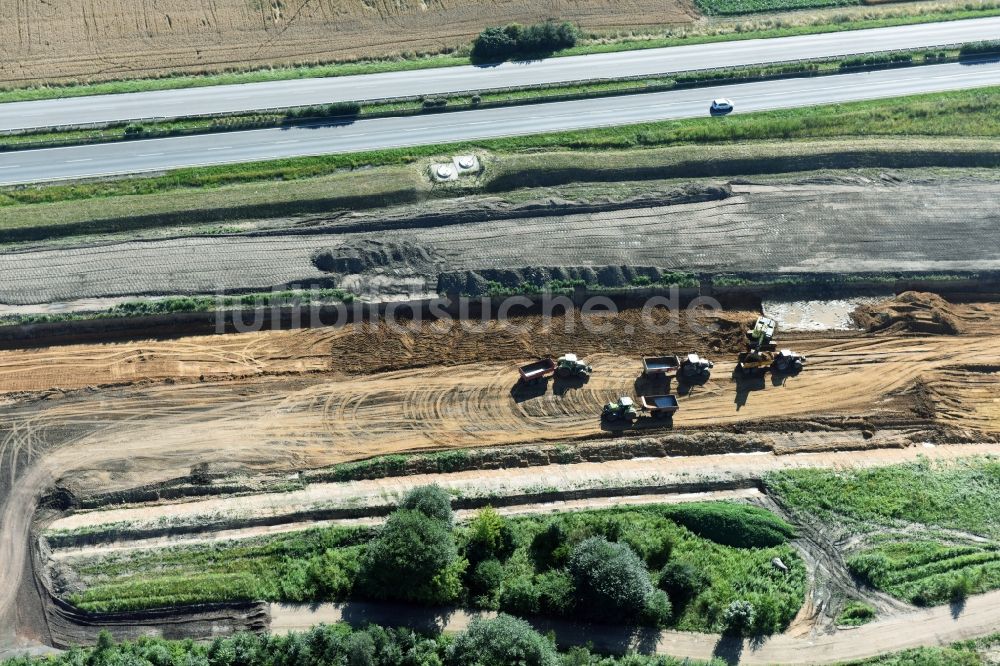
{"points": [[721, 107]]}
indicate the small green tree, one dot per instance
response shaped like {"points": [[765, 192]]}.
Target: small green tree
{"points": [[611, 581], [432, 501], [739, 617], [489, 536], [413, 558], [503, 641], [682, 581]]}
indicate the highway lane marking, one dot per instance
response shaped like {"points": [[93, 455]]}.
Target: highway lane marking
{"points": [[85, 159], [12, 166], [222, 148], [149, 154]]}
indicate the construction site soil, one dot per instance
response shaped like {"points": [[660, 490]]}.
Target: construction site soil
{"points": [[87, 420], [99, 40], [843, 227]]}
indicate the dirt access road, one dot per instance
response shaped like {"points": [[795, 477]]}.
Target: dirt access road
{"points": [[102, 39], [942, 625]]}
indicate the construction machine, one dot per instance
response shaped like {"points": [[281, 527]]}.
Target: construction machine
{"points": [[696, 368], [569, 366], [623, 410], [761, 336], [758, 362]]}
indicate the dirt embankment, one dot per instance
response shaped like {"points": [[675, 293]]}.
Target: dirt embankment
{"points": [[99, 40], [797, 228], [915, 312]]}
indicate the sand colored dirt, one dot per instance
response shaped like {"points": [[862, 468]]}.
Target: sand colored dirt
{"points": [[365, 348], [105, 39], [927, 313]]}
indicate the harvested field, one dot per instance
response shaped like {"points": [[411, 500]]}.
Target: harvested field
{"points": [[845, 227], [95, 40]]}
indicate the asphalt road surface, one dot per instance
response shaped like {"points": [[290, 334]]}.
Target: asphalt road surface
{"points": [[230, 147], [253, 96]]}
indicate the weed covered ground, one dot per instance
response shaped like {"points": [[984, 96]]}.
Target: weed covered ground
{"points": [[704, 556], [927, 533]]}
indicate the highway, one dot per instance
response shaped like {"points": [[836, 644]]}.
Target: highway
{"points": [[169, 153], [302, 92]]}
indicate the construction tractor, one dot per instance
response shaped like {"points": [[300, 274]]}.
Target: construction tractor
{"points": [[569, 366], [623, 410], [758, 362], [761, 336], [696, 368]]}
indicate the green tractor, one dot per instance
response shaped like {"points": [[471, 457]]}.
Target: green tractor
{"points": [[568, 366], [623, 410]]}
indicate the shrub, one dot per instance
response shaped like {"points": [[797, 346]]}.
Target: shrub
{"points": [[548, 548], [502, 641], [682, 581], [737, 525], [555, 593], [432, 501], [856, 613], [611, 580], [973, 49], [411, 559], [489, 535], [496, 43], [658, 609], [486, 578], [739, 617]]}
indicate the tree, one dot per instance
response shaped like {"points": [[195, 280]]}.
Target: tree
{"points": [[489, 536], [502, 641], [682, 581], [739, 617], [611, 581], [413, 558], [432, 501]]}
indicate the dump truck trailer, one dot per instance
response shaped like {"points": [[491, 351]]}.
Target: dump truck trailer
{"points": [[537, 371], [655, 366], [659, 406]]}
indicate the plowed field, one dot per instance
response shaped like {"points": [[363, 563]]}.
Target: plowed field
{"points": [[103, 39]]}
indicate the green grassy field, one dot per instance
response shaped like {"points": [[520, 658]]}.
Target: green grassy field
{"points": [[931, 531], [731, 7], [301, 566]]}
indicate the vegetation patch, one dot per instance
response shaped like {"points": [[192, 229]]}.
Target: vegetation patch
{"points": [[637, 564], [931, 530], [731, 7]]}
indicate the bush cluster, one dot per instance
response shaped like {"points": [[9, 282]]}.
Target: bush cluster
{"points": [[501, 43]]}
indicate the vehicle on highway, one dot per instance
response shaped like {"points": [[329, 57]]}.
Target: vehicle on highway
{"points": [[721, 107]]}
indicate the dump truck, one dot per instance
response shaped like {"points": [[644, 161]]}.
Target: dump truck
{"points": [[569, 366], [761, 336], [659, 406], [622, 410], [694, 367], [759, 362], [536, 371], [666, 366]]}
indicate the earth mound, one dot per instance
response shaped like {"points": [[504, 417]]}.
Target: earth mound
{"points": [[374, 255], [911, 311]]}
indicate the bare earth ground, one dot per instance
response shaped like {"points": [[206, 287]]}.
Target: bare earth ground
{"points": [[103, 39], [382, 393], [833, 227]]}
